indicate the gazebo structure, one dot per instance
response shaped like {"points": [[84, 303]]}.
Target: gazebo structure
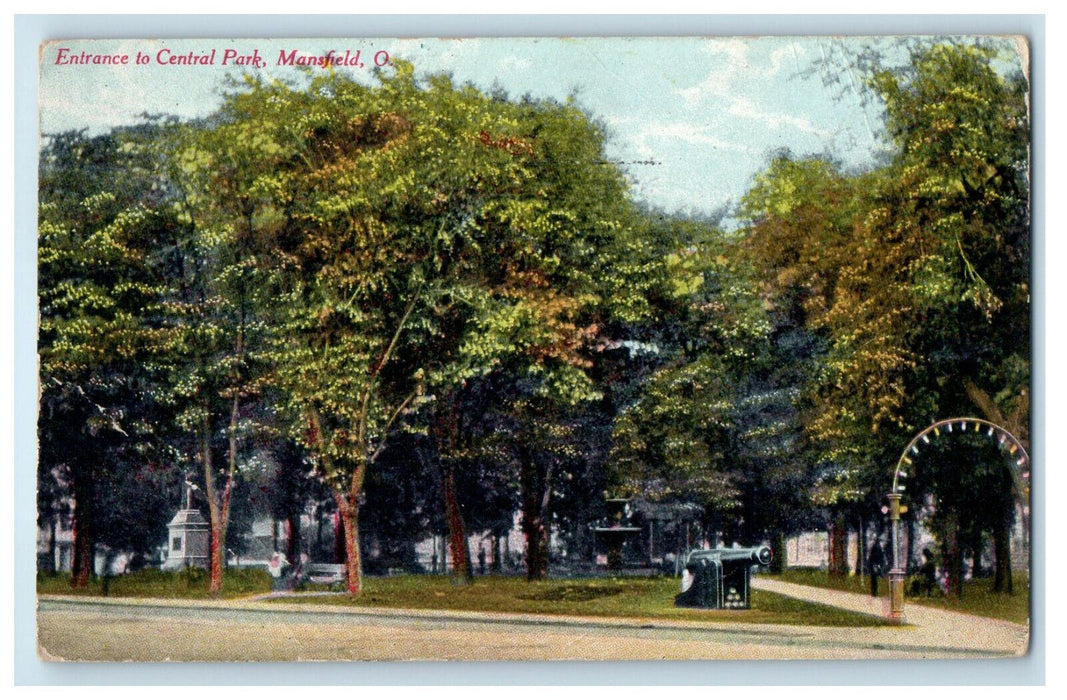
{"points": [[616, 533]]}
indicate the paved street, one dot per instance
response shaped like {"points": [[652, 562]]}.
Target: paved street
{"points": [[106, 629]]}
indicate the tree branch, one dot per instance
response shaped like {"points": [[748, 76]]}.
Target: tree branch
{"points": [[389, 424], [386, 356]]}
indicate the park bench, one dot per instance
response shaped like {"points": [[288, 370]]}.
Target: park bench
{"points": [[326, 573]]}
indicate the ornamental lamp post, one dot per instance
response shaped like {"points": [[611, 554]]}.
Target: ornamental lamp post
{"points": [[896, 573]]}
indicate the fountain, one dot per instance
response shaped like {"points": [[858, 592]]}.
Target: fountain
{"points": [[614, 536]]}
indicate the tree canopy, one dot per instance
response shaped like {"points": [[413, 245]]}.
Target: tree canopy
{"points": [[446, 302]]}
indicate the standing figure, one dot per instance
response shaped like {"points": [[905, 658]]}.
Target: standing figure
{"points": [[278, 568], [875, 566], [928, 571]]}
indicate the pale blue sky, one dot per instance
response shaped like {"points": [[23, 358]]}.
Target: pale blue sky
{"points": [[706, 112]]}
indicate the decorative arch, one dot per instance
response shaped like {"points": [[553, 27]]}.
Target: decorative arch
{"points": [[1010, 445], [1018, 465]]}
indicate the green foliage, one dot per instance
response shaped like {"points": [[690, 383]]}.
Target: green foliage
{"points": [[674, 442], [101, 290], [422, 234], [916, 273], [403, 238], [685, 436], [330, 263]]}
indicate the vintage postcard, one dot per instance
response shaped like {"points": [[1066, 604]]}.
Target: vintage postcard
{"points": [[534, 349]]}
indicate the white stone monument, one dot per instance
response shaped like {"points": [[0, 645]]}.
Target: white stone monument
{"points": [[188, 537]]}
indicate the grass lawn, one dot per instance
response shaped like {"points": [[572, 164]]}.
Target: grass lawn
{"points": [[977, 598], [152, 583], [606, 597]]}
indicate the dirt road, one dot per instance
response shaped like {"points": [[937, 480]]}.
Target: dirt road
{"points": [[109, 630]]}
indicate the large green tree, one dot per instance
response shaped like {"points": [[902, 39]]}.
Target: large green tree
{"points": [[688, 434], [961, 193], [418, 234], [914, 275], [216, 310], [102, 282]]}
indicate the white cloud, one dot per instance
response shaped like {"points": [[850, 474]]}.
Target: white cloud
{"points": [[689, 133], [791, 52], [512, 62], [746, 109], [736, 49], [448, 54], [720, 80], [737, 73]]}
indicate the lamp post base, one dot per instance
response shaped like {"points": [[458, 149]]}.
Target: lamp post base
{"points": [[896, 596]]}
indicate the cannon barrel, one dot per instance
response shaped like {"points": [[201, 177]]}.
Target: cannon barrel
{"points": [[720, 578], [756, 555]]}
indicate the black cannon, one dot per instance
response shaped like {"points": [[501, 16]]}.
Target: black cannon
{"points": [[719, 578]]}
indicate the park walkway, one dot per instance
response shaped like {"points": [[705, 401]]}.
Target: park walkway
{"points": [[933, 626], [289, 594]]}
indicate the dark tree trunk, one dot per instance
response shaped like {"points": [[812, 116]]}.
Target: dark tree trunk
{"points": [[448, 432], [52, 526], [536, 555], [651, 542], [339, 555], [861, 546], [494, 562], [318, 532], [838, 547], [708, 533], [952, 556], [909, 555], [292, 548], [83, 545], [109, 560], [349, 510], [220, 515], [462, 570], [442, 552], [215, 587], [974, 553], [82, 559], [1002, 579], [410, 558], [219, 504], [536, 490], [778, 552]]}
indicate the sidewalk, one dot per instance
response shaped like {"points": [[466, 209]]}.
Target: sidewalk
{"points": [[855, 602], [935, 626]]}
